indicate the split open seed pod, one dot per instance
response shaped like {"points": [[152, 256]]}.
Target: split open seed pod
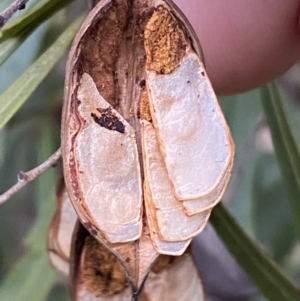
{"points": [[146, 150]]}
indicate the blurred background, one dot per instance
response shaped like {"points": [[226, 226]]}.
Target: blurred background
{"points": [[255, 197]]}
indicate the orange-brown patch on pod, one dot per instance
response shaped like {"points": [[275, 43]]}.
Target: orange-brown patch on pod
{"points": [[144, 106], [165, 42]]}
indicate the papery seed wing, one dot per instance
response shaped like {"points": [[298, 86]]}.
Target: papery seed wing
{"points": [[108, 167], [171, 222], [162, 247], [191, 207], [193, 136]]}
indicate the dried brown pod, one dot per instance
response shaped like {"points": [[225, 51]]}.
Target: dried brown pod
{"points": [[136, 67]]}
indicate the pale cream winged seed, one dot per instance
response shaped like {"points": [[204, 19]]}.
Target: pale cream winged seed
{"points": [[191, 207], [161, 246], [171, 222], [192, 131], [110, 178]]}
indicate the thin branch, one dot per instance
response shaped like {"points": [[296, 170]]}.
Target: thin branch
{"points": [[8, 12], [25, 177]]}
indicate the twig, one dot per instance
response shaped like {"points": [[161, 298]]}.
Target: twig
{"points": [[8, 12], [25, 177]]}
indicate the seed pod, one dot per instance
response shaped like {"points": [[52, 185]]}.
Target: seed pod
{"points": [[141, 121]]}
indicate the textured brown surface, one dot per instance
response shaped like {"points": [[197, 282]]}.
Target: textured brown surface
{"points": [[144, 106], [100, 49], [165, 42], [163, 262], [102, 273]]}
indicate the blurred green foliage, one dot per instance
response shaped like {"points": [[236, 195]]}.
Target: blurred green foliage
{"points": [[258, 198]]}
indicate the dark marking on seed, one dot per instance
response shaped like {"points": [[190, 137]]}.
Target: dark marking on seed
{"points": [[127, 259], [202, 73], [142, 83], [109, 120], [188, 82]]}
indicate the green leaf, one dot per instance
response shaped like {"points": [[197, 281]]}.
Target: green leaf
{"points": [[29, 279], [15, 96], [271, 213], [45, 192], [59, 293], [15, 34], [286, 148], [258, 266], [2, 145], [243, 112], [32, 278]]}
